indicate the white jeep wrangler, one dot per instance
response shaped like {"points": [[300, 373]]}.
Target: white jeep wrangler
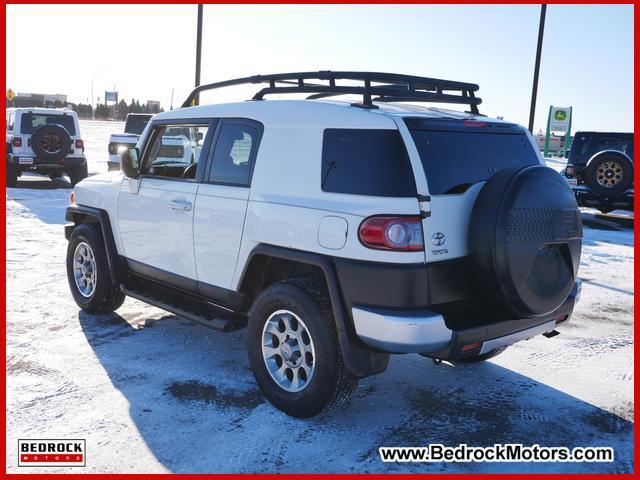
{"points": [[337, 232], [45, 141]]}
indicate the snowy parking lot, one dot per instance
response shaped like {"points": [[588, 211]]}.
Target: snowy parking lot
{"points": [[152, 392]]}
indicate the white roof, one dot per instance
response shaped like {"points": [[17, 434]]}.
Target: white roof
{"points": [[315, 113], [42, 110]]}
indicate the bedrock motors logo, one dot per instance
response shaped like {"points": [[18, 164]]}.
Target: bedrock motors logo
{"points": [[52, 453]]}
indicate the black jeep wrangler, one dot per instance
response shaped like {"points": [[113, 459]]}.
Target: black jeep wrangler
{"points": [[600, 170]]}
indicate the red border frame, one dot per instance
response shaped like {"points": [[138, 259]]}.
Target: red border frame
{"points": [[324, 476]]}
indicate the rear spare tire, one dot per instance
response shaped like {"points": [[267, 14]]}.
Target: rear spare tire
{"points": [[525, 240], [609, 173], [51, 143]]}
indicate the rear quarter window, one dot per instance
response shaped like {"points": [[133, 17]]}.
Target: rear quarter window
{"points": [[366, 162]]}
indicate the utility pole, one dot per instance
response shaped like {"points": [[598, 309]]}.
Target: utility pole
{"points": [[196, 100], [171, 107], [536, 71]]}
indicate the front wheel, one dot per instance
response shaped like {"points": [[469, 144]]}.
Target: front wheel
{"points": [[294, 351], [88, 272]]}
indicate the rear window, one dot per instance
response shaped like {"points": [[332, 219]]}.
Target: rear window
{"points": [[455, 160], [366, 162], [136, 123], [586, 146], [30, 121]]}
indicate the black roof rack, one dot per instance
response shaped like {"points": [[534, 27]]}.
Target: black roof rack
{"points": [[374, 87]]}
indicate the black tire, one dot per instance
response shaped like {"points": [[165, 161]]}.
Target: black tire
{"points": [[330, 384], [525, 240], [106, 297], [51, 143], [609, 173], [483, 357], [77, 174], [12, 176]]}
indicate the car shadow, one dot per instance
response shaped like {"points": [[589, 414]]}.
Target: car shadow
{"points": [[195, 403]]}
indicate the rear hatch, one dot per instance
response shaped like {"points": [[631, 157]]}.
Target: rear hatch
{"points": [[30, 121], [457, 157]]}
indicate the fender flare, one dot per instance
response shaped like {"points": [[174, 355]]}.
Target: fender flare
{"points": [[359, 359], [80, 214]]}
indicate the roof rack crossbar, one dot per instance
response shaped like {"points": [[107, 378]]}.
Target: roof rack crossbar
{"points": [[386, 87]]}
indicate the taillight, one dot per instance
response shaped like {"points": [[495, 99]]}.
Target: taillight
{"points": [[16, 142], [112, 149], [392, 233], [570, 171], [79, 143]]}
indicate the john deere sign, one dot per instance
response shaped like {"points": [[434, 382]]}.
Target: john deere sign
{"points": [[559, 121]]}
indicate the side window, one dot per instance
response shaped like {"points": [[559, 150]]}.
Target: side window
{"points": [[10, 121], [174, 151], [234, 154], [366, 162]]}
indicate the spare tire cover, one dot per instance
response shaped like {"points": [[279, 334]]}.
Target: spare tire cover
{"points": [[525, 240], [51, 142]]}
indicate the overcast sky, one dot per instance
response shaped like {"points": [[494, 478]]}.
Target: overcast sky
{"points": [[145, 51]]}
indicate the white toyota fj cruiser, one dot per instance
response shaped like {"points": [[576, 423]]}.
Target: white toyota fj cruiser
{"points": [[339, 232], [45, 141]]}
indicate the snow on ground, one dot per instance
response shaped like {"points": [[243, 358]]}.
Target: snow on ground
{"points": [[152, 392]]}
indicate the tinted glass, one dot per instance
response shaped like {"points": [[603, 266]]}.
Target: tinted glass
{"points": [[454, 160], [136, 123], [174, 151], [366, 162], [232, 157], [589, 145], [10, 118], [30, 121]]}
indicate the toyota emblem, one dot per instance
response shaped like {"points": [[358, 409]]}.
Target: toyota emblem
{"points": [[438, 239]]}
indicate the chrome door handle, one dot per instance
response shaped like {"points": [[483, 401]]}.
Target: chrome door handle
{"points": [[180, 204]]}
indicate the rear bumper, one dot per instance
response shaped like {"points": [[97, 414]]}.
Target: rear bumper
{"points": [[28, 162], [586, 198], [426, 332]]}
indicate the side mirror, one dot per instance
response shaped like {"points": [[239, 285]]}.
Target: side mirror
{"points": [[130, 162]]}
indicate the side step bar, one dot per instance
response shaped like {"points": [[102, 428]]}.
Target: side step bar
{"points": [[183, 304]]}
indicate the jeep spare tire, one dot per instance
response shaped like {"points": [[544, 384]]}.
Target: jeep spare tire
{"points": [[609, 173], [525, 239], [51, 143]]}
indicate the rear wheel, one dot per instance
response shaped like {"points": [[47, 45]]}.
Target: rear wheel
{"points": [[294, 351], [12, 176], [88, 272], [77, 174]]}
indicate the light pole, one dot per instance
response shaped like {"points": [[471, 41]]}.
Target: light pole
{"points": [[536, 71], [93, 99], [196, 100]]}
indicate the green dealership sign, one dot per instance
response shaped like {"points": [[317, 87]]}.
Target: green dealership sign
{"points": [[559, 121]]}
